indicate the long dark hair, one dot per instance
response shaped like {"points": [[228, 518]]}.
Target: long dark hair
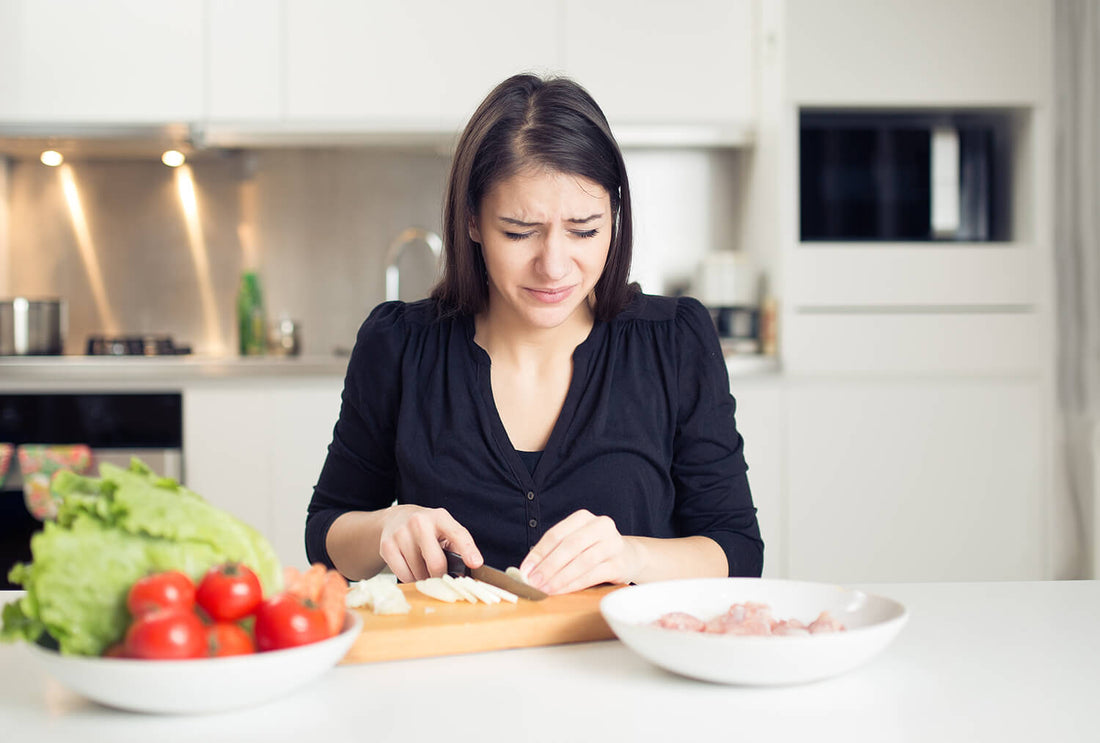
{"points": [[529, 121]]}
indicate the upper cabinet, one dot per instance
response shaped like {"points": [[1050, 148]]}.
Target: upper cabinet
{"points": [[918, 52], [423, 64], [111, 61], [651, 62], [300, 68], [244, 61]]}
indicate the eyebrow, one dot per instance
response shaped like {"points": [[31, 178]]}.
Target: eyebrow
{"points": [[572, 220]]}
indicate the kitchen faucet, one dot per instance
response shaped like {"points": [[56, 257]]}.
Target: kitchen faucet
{"points": [[408, 236]]}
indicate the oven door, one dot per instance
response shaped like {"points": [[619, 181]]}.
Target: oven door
{"points": [[116, 426]]}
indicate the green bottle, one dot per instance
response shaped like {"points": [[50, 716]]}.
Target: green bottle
{"points": [[251, 324]]}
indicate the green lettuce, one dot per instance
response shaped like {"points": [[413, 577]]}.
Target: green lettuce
{"points": [[109, 532]]}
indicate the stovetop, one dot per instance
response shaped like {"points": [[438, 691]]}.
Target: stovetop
{"points": [[134, 345]]}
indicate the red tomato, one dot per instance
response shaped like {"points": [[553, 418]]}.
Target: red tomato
{"points": [[228, 638], [168, 634], [229, 592], [159, 591], [286, 621]]}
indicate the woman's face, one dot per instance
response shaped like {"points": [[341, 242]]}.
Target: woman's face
{"points": [[545, 236]]}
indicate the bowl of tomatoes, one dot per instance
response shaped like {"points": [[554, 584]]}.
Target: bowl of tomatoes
{"points": [[214, 646]]}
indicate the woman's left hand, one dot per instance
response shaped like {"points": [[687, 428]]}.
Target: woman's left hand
{"points": [[581, 550]]}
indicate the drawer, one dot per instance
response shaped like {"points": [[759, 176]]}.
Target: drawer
{"points": [[913, 342], [905, 275]]}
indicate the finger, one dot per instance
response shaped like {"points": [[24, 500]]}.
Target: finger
{"points": [[426, 536], [457, 538], [594, 550], [391, 555], [598, 574], [551, 539], [584, 531], [410, 550]]}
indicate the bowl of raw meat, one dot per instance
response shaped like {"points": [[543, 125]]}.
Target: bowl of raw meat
{"points": [[753, 631]]}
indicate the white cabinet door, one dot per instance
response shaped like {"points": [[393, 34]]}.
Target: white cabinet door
{"points": [[226, 429], [425, 64], [244, 61], [656, 62], [760, 402], [303, 417], [134, 61], [915, 480], [256, 449], [918, 52]]}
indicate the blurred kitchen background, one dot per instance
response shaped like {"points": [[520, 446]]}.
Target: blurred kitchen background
{"points": [[316, 223], [872, 198]]}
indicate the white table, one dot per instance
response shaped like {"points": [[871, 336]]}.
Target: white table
{"points": [[977, 662]]}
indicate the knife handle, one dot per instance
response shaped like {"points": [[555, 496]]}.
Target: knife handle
{"points": [[455, 565]]}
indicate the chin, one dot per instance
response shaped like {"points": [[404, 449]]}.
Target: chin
{"points": [[550, 317]]}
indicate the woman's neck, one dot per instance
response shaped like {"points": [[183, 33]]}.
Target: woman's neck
{"points": [[507, 341]]}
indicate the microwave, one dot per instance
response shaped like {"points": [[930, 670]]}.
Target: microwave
{"points": [[904, 176]]}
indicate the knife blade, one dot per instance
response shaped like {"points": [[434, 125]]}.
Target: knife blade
{"points": [[457, 568]]}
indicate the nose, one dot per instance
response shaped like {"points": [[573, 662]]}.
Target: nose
{"points": [[553, 259]]}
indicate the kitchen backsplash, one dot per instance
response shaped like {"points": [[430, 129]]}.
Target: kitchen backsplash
{"points": [[318, 222]]}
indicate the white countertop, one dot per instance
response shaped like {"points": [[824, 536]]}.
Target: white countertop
{"points": [[22, 371], [976, 662], [106, 372]]}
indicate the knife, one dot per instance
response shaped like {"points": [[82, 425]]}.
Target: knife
{"points": [[457, 568]]}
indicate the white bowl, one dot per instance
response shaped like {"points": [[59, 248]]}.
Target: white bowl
{"points": [[871, 622], [200, 685]]}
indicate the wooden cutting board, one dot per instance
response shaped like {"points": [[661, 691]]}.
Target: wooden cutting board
{"points": [[435, 627]]}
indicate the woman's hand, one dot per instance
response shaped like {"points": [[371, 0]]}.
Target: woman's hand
{"points": [[413, 539], [581, 550]]}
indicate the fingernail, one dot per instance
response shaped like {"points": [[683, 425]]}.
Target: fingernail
{"points": [[535, 579]]}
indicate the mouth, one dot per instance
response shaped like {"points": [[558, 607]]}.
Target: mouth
{"points": [[551, 296]]}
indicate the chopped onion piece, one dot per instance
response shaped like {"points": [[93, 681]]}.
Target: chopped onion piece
{"points": [[514, 572], [450, 581], [379, 593], [506, 595], [437, 588], [476, 587]]}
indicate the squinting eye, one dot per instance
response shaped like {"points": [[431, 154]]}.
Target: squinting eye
{"points": [[587, 233], [518, 235]]}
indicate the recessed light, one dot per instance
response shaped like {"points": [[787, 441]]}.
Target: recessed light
{"points": [[172, 158], [53, 158]]}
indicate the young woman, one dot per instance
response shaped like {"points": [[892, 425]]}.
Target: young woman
{"points": [[538, 410]]}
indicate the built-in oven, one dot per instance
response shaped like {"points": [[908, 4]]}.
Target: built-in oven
{"points": [[116, 426]]}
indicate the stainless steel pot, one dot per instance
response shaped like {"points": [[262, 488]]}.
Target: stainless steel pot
{"points": [[32, 327]]}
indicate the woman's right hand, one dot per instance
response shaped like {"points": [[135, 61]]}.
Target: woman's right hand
{"points": [[413, 539]]}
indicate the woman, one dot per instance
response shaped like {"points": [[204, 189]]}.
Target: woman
{"points": [[537, 409]]}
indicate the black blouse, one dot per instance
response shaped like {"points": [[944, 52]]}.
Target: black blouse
{"points": [[646, 435]]}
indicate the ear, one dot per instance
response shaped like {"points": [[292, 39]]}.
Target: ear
{"points": [[473, 231]]}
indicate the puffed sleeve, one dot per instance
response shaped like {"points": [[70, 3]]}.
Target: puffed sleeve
{"points": [[359, 471], [708, 466]]}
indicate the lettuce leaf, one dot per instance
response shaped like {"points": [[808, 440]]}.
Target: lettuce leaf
{"points": [[109, 532]]}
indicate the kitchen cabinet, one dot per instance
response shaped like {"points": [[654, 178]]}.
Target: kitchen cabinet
{"points": [[760, 405], [419, 65], [915, 480], [654, 63], [256, 450], [666, 75], [112, 61], [244, 61], [918, 52], [918, 412]]}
